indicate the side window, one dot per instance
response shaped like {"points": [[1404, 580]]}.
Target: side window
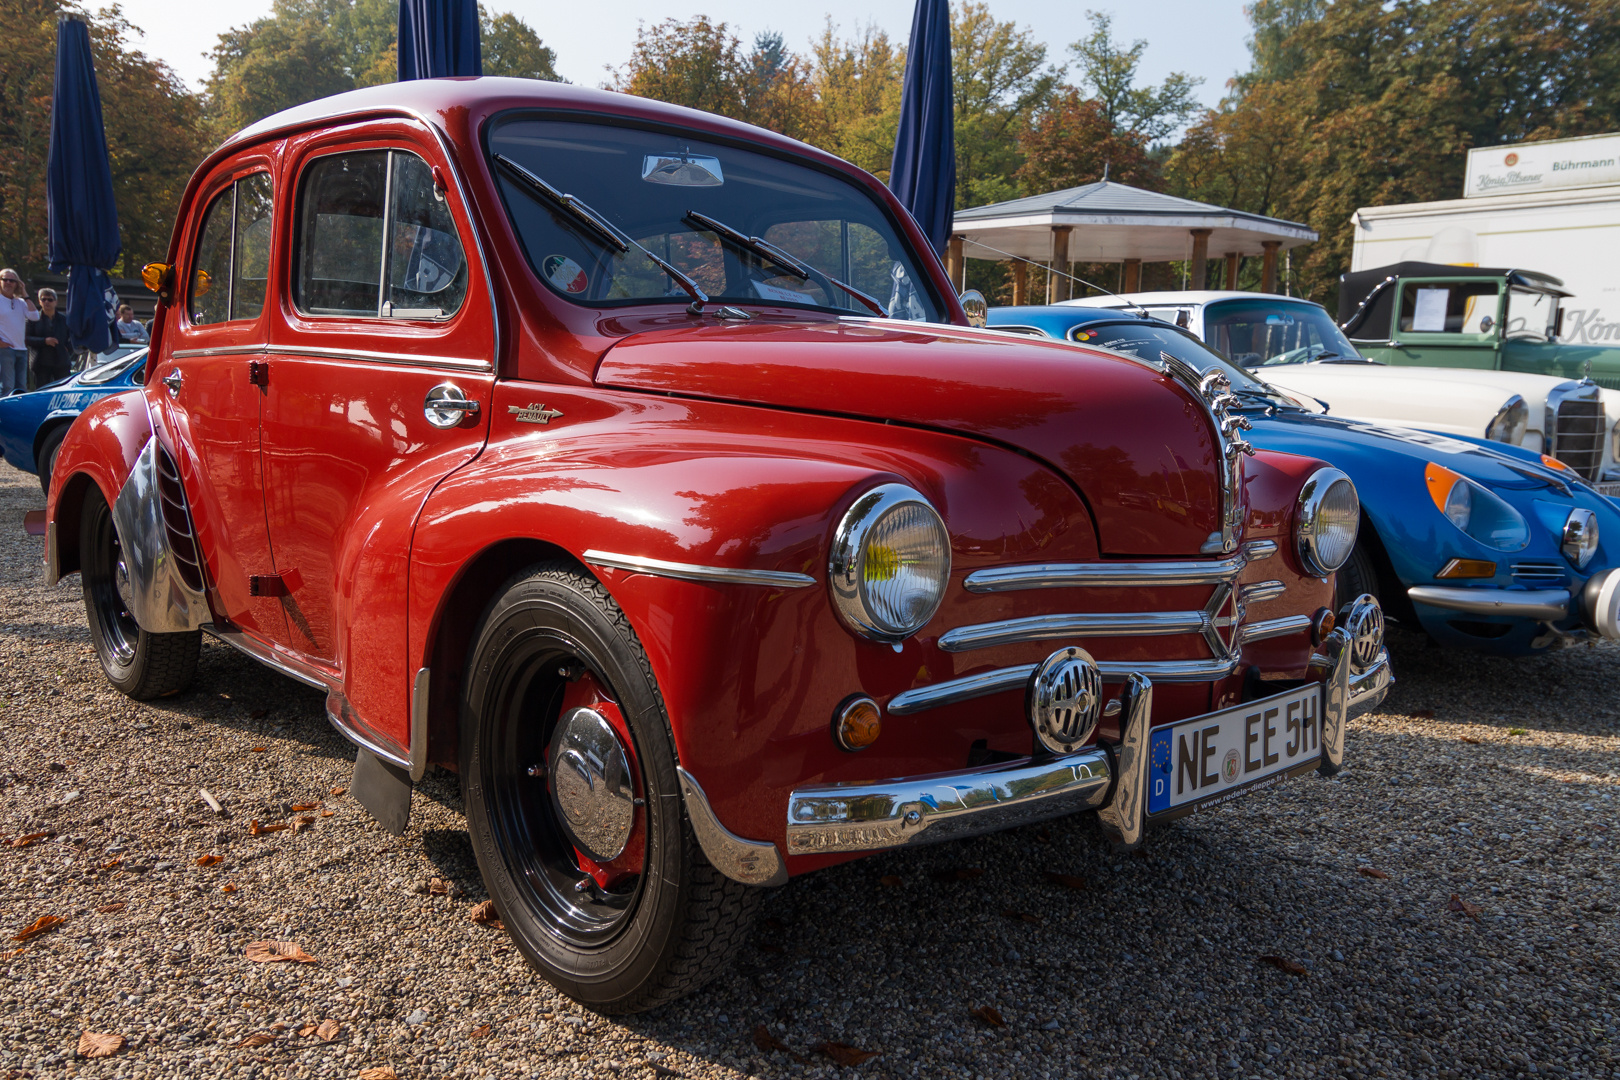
{"points": [[210, 288], [375, 238], [228, 275], [1447, 307]]}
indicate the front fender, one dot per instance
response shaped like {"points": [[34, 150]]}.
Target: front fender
{"points": [[101, 448]]}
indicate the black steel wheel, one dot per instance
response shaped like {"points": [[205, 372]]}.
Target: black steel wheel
{"points": [[620, 926], [141, 664]]}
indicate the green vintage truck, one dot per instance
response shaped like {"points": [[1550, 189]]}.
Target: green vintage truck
{"points": [[1433, 315]]}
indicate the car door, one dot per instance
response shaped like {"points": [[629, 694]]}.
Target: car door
{"points": [[379, 384], [205, 396]]}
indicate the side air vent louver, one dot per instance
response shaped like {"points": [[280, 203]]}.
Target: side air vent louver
{"points": [[177, 521], [1538, 574]]}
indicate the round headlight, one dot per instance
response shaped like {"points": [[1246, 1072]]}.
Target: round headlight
{"points": [[891, 558], [1510, 421], [1326, 520], [1580, 539]]}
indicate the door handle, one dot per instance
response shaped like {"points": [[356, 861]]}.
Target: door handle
{"points": [[173, 381], [447, 405]]}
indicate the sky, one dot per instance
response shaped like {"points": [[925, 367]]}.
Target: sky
{"points": [[1204, 38]]}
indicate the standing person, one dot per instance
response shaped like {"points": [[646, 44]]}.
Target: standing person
{"points": [[130, 331], [16, 312], [48, 342]]}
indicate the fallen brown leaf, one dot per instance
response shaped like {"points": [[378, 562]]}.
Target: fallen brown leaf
{"points": [[326, 813], [379, 1072], [327, 1029], [485, 915], [40, 926], [257, 749], [209, 860], [13, 952], [1422, 714], [338, 791], [1024, 916], [96, 1044], [1470, 740], [846, 1055], [989, 1015], [300, 807], [228, 887], [766, 1041], [31, 838], [108, 909], [1457, 904], [891, 880], [959, 873], [255, 829], [1068, 881], [257, 1039], [306, 1031], [1282, 963], [270, 952], [302, 822], [1367, 871], [479, 1032], [439, 887], [111, 865]]}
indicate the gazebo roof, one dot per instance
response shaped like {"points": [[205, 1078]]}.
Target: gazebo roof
{"points": [[1115, 221]]}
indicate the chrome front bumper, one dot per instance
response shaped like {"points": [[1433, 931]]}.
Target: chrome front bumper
{"points": [[1110, 778], [1546, 605]]}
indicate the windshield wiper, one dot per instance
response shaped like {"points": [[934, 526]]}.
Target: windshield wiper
{"points": [[604, 230], [771, 253]]}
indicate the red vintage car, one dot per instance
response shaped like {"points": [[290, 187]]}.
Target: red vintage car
{"points": [[641, 467]]}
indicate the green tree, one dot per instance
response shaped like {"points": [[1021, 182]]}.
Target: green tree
{"points": [[999, 75], [1108, 70], [1070, 141], [512, 48], [857, 83]]}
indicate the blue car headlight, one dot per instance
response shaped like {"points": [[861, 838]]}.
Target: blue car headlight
{"points": [[1580, 537], [1476, 510]]}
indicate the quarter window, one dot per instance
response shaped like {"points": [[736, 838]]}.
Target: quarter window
{"points": [[376, 239], [229, 274]]}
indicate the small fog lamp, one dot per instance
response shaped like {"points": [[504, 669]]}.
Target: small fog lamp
{"points": [[1323, 625], [857, 723]]}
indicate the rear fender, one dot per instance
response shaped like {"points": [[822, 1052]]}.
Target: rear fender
{"points": [[100, 448]]}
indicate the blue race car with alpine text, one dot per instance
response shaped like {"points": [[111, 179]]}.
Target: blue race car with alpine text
{"points": [[1482, 545], [32, 424]]}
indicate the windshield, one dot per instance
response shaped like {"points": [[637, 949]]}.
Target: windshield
{"points": [[1146, 338], [657, 186], [1258, 333], [1531, 316], [111, 364]]}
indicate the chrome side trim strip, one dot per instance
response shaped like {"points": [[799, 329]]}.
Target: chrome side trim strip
{"points": [[160, 600], [270, 657], [1118, 575], [944, 806], [338, 714], [1040, 627], [1270, 628], [781, 579], [224, 350], [419, 724], [751, 862], [1546, 604], [1258, 592], [456, 362], [985, 683]]}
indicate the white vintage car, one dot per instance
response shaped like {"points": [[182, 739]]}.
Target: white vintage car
{"points": [[1295, 345]]}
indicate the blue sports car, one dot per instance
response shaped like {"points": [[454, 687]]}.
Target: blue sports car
{"points": [[1484, 546], [32, 424]]}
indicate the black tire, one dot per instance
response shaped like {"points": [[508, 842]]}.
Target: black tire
{"points": [[140, 664], [45, 460], [677, 922], [1358, 575]]}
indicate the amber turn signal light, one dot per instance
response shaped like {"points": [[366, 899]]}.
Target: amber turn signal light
{"points": [[1322, 625], [1467, 568], [1554, 463], [857, 723]]}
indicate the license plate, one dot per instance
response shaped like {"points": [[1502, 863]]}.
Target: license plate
{"points": [[1611, 489], [1223, 755]]}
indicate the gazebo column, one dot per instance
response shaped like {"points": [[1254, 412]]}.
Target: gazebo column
{"points": [[1020, 275], [1268, 269], [1200, 258], [1059, 287], [955, 265], [1232, 261], [1133, 275]]}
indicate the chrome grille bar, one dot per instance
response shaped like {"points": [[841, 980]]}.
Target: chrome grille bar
{"points": [[1039, 627], [1270, 628], [1118, 575], [1256, 592], [985, 683]]}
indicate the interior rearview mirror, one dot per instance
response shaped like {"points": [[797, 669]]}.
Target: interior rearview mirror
{"points": [[682, 170]]}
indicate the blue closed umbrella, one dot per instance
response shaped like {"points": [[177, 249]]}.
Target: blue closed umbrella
{"points": [[80, 211], [923, 175], [438, 38]]}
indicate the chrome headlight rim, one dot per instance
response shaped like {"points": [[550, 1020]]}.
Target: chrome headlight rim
{"points": [[1579, 539], [1312, 495], [1510, 423], [844, 562]]}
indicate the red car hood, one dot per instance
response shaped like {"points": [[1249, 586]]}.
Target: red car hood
{"points": [[1136, 444]]}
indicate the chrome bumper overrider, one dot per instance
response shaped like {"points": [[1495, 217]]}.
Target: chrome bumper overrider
{"points": [[1111, 778]]}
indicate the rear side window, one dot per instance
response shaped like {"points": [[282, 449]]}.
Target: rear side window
{"points": [[1442, 307], [232, 266], [376, 239]]}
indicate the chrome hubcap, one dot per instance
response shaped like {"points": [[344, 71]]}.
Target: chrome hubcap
{"points": [[126, 593], [591, 785]]}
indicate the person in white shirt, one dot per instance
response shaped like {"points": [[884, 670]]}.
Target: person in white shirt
{"points": [[16, 312], [130, 331]]}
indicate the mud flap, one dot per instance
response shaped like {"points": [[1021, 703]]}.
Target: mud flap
{"points": [[383, 789]]}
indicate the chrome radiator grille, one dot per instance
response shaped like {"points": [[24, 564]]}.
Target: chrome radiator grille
{"points": [[1577, 434]]}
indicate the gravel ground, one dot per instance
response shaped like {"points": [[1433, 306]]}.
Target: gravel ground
{"points": [[1492, 781]]}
